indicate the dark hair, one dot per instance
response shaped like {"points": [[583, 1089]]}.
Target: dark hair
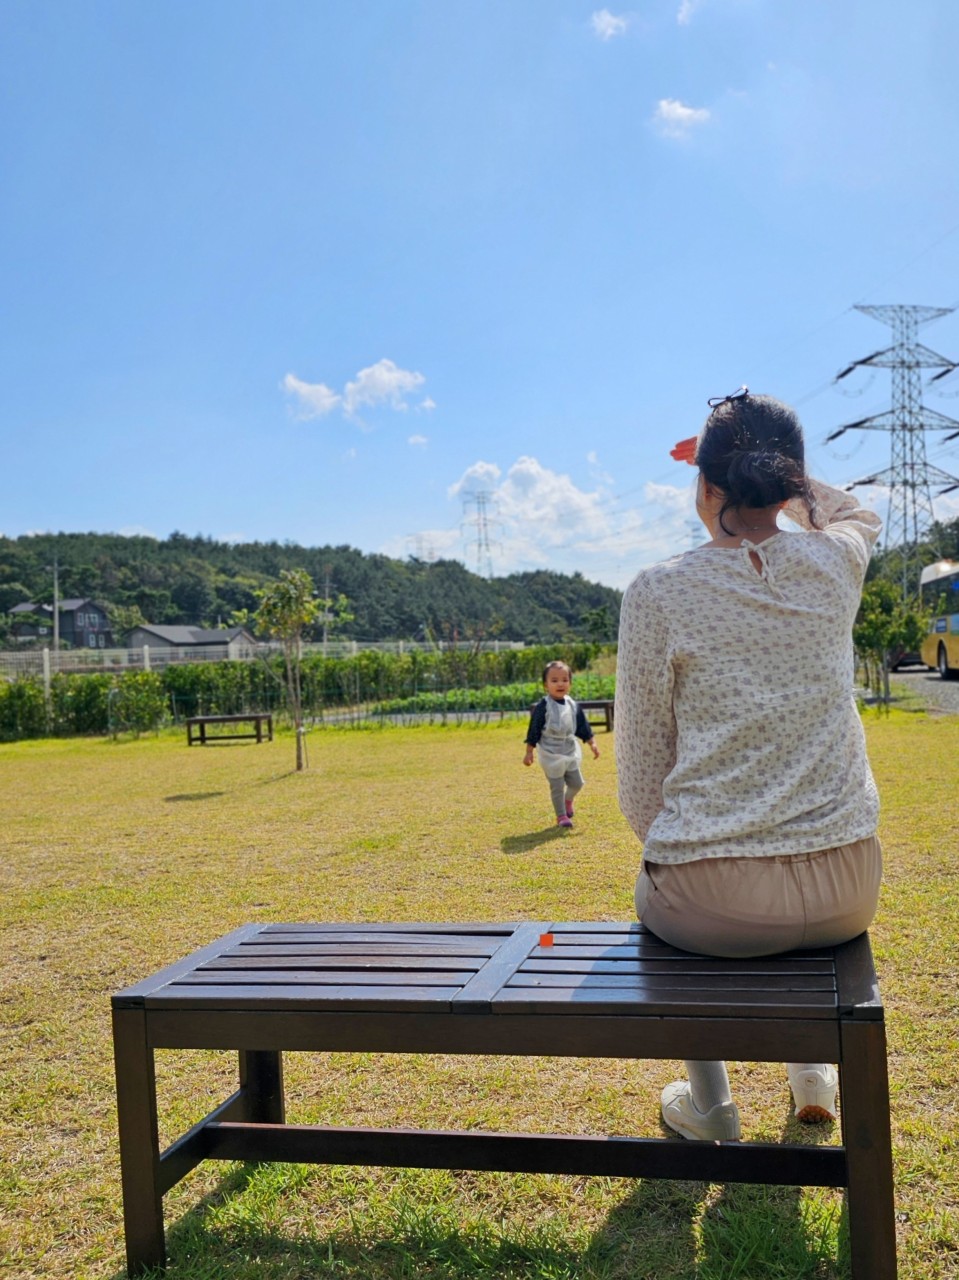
{"points": [[557, 662], [751, 448]]}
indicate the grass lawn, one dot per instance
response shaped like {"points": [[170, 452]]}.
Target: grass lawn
{"points": [[118, 858]]}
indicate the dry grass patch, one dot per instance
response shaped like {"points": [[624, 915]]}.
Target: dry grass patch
{"points": [[121, 857]]}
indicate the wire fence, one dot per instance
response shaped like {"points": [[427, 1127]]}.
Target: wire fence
{"points": [[16, 663]]}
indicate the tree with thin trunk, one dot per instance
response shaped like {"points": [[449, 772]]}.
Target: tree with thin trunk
{"points": [[287, 609], [886, 626]]}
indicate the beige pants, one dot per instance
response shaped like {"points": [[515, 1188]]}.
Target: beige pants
{"points": [[741, 907]]}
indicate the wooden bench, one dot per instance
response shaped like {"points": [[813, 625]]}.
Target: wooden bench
{"points": [[196, 727], [605, 705], [595, 990]]}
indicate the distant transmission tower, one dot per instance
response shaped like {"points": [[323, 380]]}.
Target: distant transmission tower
{"points": [[909, 476], [479, 504], [423, 548]]}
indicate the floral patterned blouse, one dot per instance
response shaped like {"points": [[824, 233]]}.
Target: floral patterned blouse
{"points": [[737, 732]]}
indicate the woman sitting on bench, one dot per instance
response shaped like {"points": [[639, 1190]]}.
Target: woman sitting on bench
{"points": [[740, 751]]}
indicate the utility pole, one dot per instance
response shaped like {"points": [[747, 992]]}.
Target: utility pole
{"points": [[56, 604], [909, 476], [327, 584]]}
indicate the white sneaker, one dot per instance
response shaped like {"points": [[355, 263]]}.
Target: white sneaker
{"points": [[720, 1124], [814, 1093]]}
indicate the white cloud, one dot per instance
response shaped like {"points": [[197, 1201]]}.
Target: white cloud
{"points": [[418, 440], [607, 25], [383, 383], [668, 496], [674, 119], [311, 399], [597, 471], [137, 531], [478, 478], [427, 405], [686, 10], [538, 518]]}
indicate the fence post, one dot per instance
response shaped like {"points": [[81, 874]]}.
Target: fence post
{"points": [[47, 692], [146, 657]]}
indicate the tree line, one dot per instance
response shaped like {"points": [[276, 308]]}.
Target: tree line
{"points": [[198, 581]]}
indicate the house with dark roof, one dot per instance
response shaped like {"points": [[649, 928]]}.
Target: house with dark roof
{"points": [[84, 624], [234, 639]]}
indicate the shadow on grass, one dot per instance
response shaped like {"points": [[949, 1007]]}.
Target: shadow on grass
{"points": [[214, 795], [661, 1230], [649, 1235], [194, 795], [523, 843]]}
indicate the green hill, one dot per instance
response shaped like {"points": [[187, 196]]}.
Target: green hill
{"points": [[195, 580]]}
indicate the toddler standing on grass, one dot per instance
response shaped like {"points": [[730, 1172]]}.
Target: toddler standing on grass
{"points": [[554, 726]]}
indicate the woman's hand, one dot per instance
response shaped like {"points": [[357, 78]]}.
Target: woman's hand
{"points": [[685, 451]]}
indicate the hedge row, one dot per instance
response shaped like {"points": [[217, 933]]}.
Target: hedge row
{"points": [[106, 703], [510, 697]]}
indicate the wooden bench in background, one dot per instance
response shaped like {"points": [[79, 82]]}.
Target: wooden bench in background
{"points": [[196, 727], [604, 705], [595, 990]]}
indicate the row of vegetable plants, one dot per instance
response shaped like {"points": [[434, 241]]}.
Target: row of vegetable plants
{"points": [[371, 680]]}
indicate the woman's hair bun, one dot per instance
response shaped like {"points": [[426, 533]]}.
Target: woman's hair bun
{"points": [[751, 449], [760, 478]]}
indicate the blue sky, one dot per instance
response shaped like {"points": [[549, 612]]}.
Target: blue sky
{"points": [[328, 272]]}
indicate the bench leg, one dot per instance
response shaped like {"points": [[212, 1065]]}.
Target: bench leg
{"points": [[864, 1094], [139, 1142], [261, 1079]]}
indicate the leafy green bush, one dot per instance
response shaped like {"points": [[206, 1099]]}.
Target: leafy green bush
{"points": [[23, 710], [81, 703], [508, 697], [141, 702], [415, 681]]}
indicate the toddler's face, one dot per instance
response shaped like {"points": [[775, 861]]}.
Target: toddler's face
{"points": [[557, 683]]}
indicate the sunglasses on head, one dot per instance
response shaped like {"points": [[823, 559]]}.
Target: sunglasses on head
{"points": [[716, 401]]}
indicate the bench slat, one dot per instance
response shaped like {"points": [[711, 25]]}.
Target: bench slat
{"points": [[342, 977], [372, 946], [401, 930], [310, 997], [299, 958], [673, 1002], [759, 968], [731, 984]]}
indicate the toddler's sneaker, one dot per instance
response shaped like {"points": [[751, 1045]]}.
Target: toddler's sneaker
{"points": [[814, 1093], [564, 821], [569, 808], [720, 1124]]}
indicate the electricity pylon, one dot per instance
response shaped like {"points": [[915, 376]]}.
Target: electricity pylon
{"points": [[909, 477], [484, 555]]}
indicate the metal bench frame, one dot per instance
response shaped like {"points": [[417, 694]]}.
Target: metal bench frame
{"points": [[586, 990]]}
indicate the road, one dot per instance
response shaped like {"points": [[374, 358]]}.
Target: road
{"points": [[936, 693]]}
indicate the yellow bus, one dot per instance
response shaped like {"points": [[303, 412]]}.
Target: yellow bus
{"points": [[939, 585]]}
